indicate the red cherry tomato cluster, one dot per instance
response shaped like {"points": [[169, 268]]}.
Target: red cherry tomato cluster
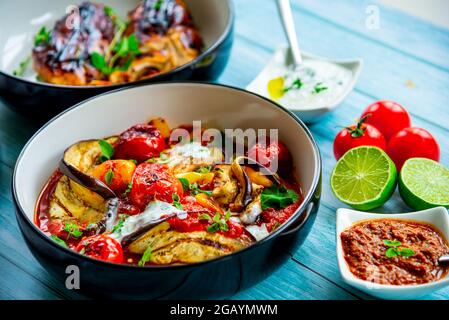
{"points": [[387, 125]]}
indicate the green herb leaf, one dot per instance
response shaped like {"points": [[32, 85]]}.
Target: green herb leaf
{"points": [[158, 4], [176, 202], [391, 253], [391, 243], [20, 71], [217, 217], [277, 197], [204, 216], [146, 256], [82, 251], [109, 176], [227, 215], [72, 229], [193, 188], [203, 170], [213, 228], [185, 184], [223, 226], [128, 189], [120, 224], [406, 252], [319, 87], [133, 44], [42, 37], [107, 150], [297, 84], [59, 241]]}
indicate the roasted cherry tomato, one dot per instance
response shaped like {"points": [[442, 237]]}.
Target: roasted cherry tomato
{"points": [[273, 155], [361, 134], [153, 181], [388, 117], [116, 174], [140, 143], [101, 247], [412, 143]]}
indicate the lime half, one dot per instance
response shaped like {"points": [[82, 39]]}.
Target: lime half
{"points": [[364, 178], [424, 184]]}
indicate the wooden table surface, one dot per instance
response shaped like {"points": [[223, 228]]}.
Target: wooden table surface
{"points": [[406, 60]]}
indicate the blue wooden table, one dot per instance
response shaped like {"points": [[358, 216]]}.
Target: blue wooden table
{"points": [[406, 60]]}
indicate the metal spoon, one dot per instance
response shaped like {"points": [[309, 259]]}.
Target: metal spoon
{"points": [[285, 11], [444, 259]]}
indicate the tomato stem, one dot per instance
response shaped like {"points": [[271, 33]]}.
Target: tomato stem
{"points": [[358, 131]]}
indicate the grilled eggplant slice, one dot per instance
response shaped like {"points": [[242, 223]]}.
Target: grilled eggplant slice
{"points": [[71, 200], [169, 246], [84, 155]]}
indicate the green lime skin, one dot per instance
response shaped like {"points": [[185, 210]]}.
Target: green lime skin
{"points": [[424, 184], [364, 178]]}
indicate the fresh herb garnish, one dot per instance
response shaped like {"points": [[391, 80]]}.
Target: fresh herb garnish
{"points": [[319, 87], [193, 188], [133, 161], [145, 257], [219, 222], [107, 150], [128, 189], [395, 249], [204, 216], [158, 4], [73, 229], [20, 71], [203, 170], [163, 158], [120, 223], [59, 241], [297, 84], [277, 197], [109, 176], [82, 251], [43, 36], [176, 201]]}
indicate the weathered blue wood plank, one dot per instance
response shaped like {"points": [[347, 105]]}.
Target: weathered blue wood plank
{"points": [[406, 34], [293, 281]]}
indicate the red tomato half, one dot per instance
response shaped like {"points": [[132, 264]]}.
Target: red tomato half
{"points": [[140, 142], [153, 181], [101, 247], [273, 155], [388, 117], [412, 143], [354, 136]]}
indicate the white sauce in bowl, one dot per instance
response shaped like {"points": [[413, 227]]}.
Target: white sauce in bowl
{"points": [[313, 84]]}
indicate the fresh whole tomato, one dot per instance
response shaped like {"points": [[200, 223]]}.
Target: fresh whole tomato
{"points": [[273, 155], [361, 134], [140, 142], [388, 117], [101, 247], [153, 181], [412, 143]]}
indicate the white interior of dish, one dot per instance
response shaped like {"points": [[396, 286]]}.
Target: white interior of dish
{"points": [[216, 106], [21, 20]]}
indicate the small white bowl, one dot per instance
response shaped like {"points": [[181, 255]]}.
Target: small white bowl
{"points": [[306, 114], [437, 217]]}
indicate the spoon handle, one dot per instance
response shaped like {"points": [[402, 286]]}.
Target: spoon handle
{"points": [[285, 12], [444, 259]]}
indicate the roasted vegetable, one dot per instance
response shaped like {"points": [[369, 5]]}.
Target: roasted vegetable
{"points": [[170, 247]]}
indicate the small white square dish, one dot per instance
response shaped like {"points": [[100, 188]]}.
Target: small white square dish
{"points": [[437, 217]]}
